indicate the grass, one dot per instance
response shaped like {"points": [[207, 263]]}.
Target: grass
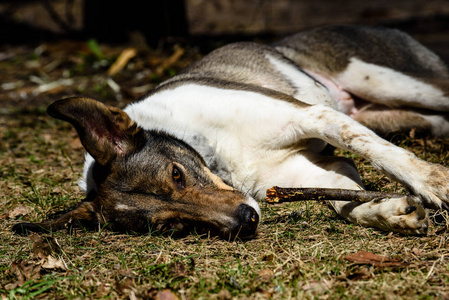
{"points": [[299, 252]]}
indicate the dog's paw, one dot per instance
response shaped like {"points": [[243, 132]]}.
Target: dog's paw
{"points": [[432, 186], [26, 228], [404, 215]]}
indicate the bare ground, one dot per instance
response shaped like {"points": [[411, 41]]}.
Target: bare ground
{"points": [[303, 250]]}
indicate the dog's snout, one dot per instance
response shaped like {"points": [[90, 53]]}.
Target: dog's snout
{"points": [[248, 219]]}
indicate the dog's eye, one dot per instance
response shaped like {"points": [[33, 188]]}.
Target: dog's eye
{"points": [[178, 177]]}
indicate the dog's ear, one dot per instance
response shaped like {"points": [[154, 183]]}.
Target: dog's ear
{"points": [[106, 132]]}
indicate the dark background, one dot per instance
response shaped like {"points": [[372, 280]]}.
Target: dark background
{"points": [[25, 21]]}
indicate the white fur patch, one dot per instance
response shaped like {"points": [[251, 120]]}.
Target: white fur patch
{"points": [[122, 207], [253, 203], [308, 90], [389, 87], [87, 183]]}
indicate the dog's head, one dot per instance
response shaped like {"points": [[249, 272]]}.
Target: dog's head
{"points": [[146, 180]]}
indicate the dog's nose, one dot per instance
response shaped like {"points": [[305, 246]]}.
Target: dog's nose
{"points": [[248, 219]]}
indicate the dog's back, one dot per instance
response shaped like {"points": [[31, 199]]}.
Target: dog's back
{"points": [[330, 49]]}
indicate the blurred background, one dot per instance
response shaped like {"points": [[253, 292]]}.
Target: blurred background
{"points": [[117, 21], [55, 48]]}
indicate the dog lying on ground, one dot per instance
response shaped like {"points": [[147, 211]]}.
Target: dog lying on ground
{"points": [[197, 150]]}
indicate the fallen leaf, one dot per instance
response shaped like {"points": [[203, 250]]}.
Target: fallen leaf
{"points": [[266, 275], [47, 138], [85, 256], [417, 252], [44, 245], [20, 210], [102, 290], [224, 295], [318, 287], [53, 263], [57, 190], [166, 295], [125, 285], [368, 258], [25, 271]]}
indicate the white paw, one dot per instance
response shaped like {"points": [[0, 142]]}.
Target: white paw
{"points": [[404, 215], [433, 186]]}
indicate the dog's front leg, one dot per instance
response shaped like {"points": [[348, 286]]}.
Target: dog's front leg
{"points": [[425, 180], [404, 215]]}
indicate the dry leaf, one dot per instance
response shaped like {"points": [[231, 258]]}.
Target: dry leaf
{"points": [[102, 290], [224, 295], [417, 252], [368, 258], [125, 286], [166, 295], [318, 286], [44, 245], [25, 271], [20, 210], [53, 263], [266, 275], [57, 190], [47, 138]]}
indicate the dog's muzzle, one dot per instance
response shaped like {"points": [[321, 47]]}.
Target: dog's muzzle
{"points": [[248, 221]]}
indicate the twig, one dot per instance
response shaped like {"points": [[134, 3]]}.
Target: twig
{"points": [[122, 60], [170, 61], [278, 195]]}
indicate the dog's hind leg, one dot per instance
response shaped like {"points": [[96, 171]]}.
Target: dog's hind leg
{"points": [[392, 88], [387, 121], [388, 101]]}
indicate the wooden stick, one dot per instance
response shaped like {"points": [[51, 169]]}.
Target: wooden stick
{"points": [[278, 195]]}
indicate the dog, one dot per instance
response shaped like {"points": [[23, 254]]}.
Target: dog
{"points": [[196, 152]]}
